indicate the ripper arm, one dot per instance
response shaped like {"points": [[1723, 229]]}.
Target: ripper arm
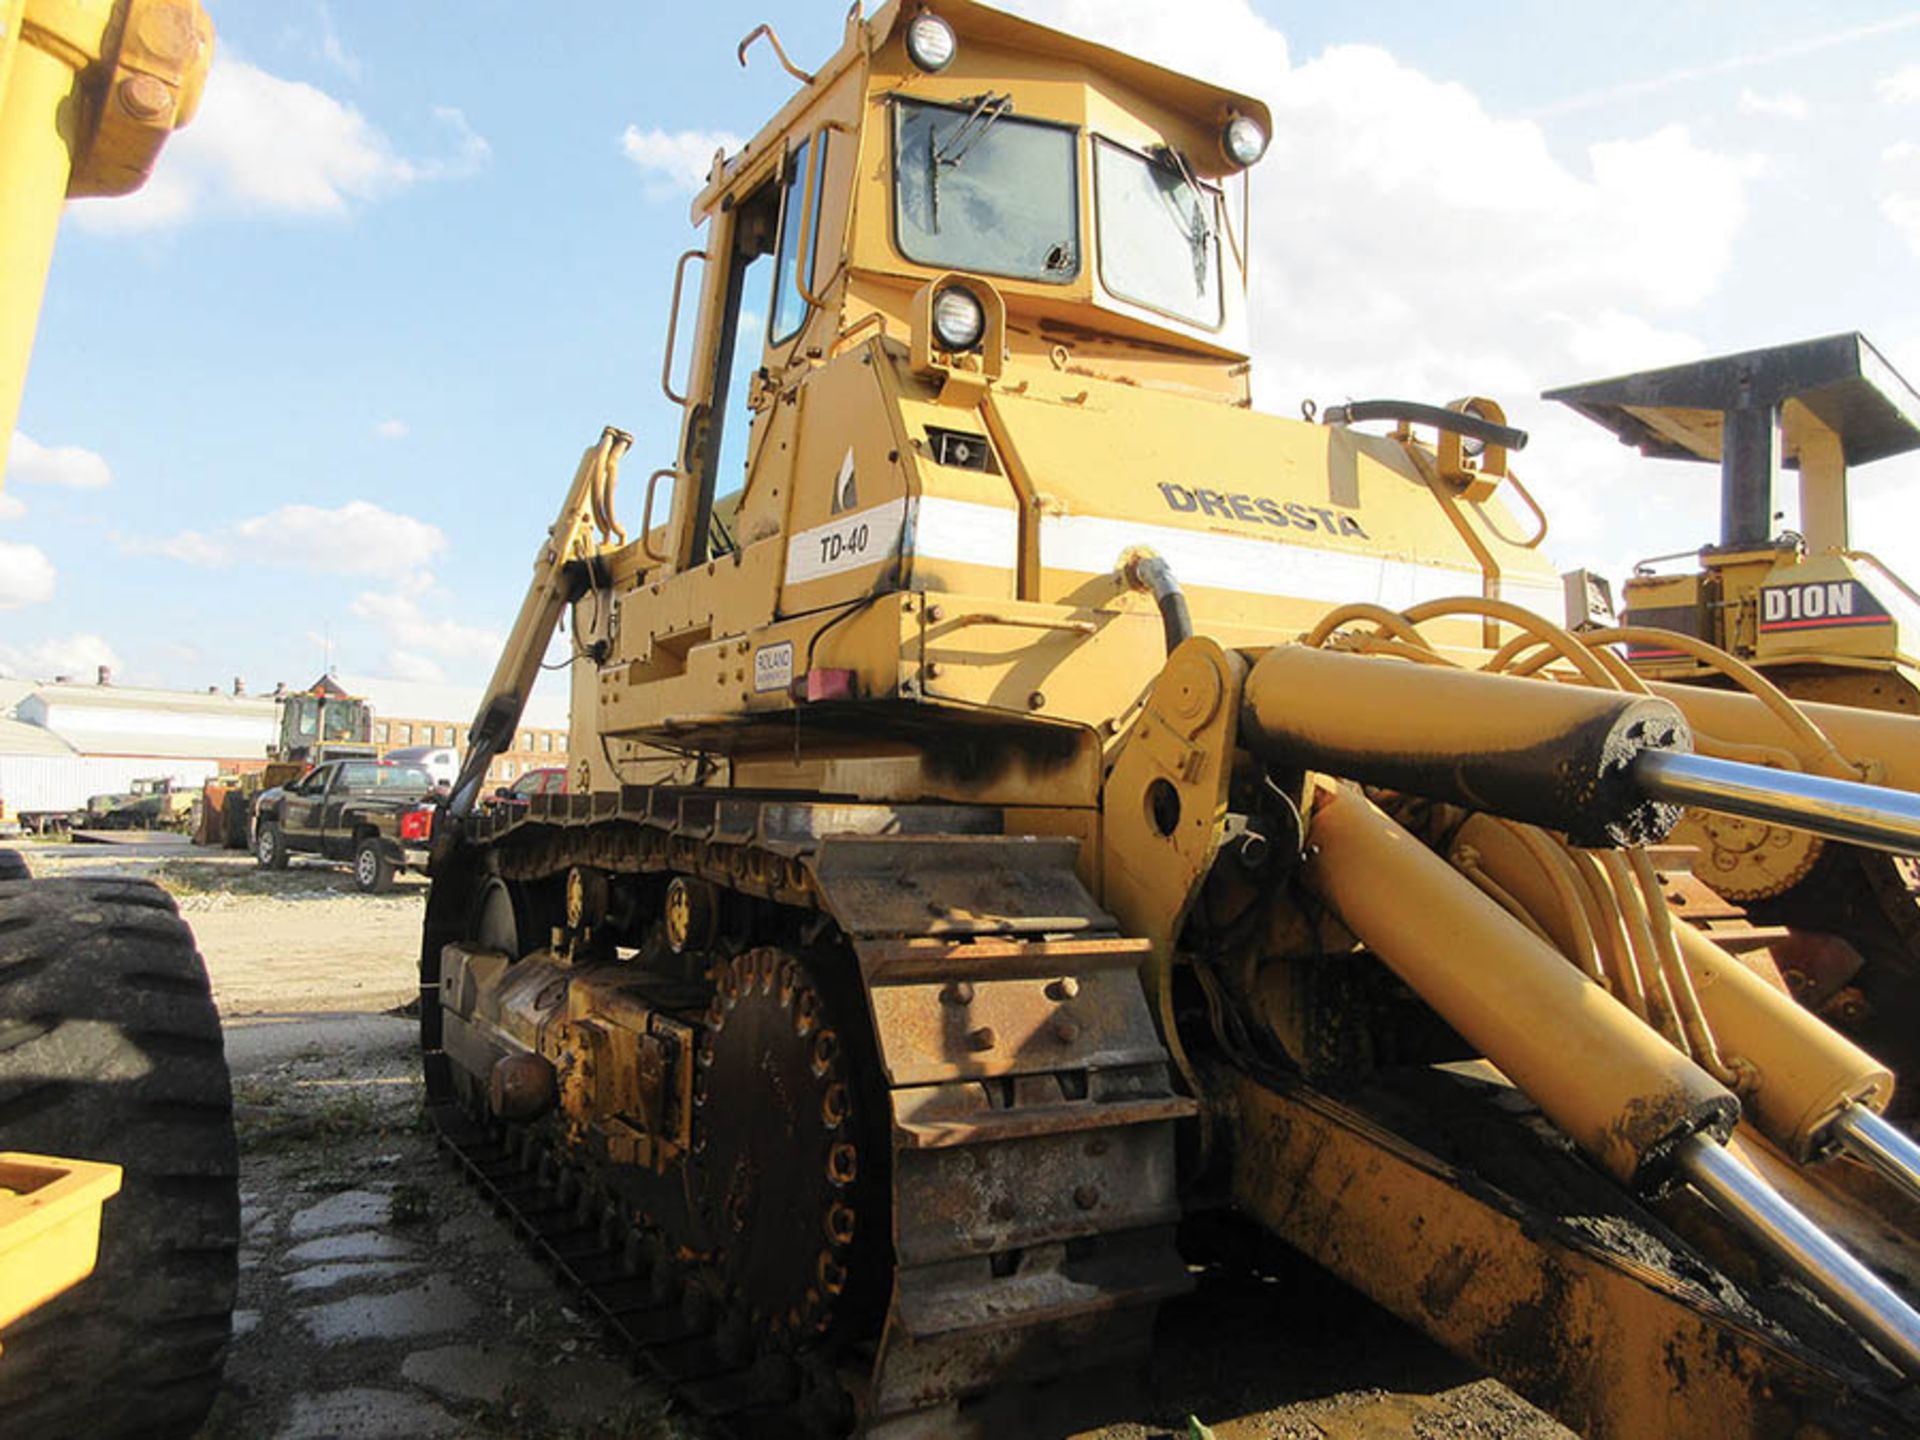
{"points": [[568, 564]]}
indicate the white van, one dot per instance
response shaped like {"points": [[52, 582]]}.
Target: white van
{"points": [[440, 761]]}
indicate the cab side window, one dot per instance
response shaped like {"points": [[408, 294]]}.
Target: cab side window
{"points": [[789, 304], [716, 455]]}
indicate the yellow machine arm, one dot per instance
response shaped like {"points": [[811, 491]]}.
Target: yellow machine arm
{"points": [[563, 570], [89, 92]]}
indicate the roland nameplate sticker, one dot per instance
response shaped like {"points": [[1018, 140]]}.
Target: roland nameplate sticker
{"points": [[773, 667]]}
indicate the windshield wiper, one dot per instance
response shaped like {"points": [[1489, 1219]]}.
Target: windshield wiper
{"points": [[969, 132], [1194, 227], [956, 146]]}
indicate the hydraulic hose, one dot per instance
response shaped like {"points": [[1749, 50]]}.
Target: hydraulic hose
{"points": [[1147, 571], [1460, 422]]}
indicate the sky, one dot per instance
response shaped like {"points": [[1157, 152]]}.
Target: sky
{"points": [[315, 394]]}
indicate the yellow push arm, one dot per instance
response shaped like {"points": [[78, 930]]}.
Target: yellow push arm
{"points": [[89, 92]]}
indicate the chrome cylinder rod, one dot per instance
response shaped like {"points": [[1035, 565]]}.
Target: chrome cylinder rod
{"points": [[1836, 809], [1754, 1207], [1887, 1148]]}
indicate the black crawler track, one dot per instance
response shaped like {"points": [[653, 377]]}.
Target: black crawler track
{"points": [[584, 1241], [1024, 1099]]}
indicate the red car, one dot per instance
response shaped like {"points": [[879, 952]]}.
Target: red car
{"points": [[548, 780]]}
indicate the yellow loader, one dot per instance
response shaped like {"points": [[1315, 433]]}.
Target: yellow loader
{"points": [[110, 1046]]}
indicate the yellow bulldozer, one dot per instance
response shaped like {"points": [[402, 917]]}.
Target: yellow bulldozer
{"points": [[110, 1046], [1792, 615], [1035, 800]]}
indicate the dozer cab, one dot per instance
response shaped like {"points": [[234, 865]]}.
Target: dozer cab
{"points": [[1821, 629], [1024, 798], [113, 1076]]}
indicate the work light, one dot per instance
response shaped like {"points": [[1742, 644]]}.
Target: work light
{"points": [[1243, 140], [958, 319], [930, 42]]}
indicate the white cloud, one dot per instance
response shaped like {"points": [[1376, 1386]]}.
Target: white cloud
{"points": [[391, 430], [1900, 202], [1787, 105], [358, 538], [264, 145], [11, 506], [1900, 88], [420, 642], [26, 576], [34, 464], [77, 655], [405, 665], [678, 161], [1613, 342], [1731, 64], [332, 50], [1223, 40]]}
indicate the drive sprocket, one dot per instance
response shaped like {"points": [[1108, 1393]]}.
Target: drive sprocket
{"points": [[778, 1156]]}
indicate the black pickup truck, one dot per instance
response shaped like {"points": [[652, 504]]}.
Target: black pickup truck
{"points": [[375, 813]]}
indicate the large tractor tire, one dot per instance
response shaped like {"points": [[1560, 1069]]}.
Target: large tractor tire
{"points": [[13, 866], [110, 1049]]}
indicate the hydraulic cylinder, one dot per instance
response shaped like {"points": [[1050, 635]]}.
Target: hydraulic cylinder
{"points": [[1601, 1074], [1559, 756]]}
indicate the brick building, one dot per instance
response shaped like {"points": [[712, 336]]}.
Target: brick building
{"points": [[536, 746], [409, 713]]}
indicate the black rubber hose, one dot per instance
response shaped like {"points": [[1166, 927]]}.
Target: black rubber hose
{"points": [[1154, 575], [1438, 416]]}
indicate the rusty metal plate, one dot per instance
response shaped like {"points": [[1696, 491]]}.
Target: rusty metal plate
{"points": [[895, 962], [1608, 1339], [974, 1112], [959, 1328], [975, 1200], [956, 885], [973, 1029]]}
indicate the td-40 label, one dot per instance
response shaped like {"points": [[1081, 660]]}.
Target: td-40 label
{"points": [[847, 542], [1818, 605]]}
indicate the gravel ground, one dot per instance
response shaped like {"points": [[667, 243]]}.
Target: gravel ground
{"points": [[380, 1299]]}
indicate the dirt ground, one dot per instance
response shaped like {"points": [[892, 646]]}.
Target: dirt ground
{"points": [[379, 1298]]}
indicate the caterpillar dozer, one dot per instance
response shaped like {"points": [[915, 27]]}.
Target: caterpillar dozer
{"points": [[1030, 809], [113, 1079], [1806, 621]]}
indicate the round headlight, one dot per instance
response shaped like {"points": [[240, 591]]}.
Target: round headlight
{"points": [[1243, 140], [958, 319], [930, 42]]}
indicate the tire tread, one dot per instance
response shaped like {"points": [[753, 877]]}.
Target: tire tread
{"points": [[137, 1349]]}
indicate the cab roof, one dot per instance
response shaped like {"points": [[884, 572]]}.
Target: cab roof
{"points": [[972, 20]]}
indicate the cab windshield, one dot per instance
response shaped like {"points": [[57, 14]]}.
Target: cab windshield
{"points": [[1159, 233], [977, 188]]}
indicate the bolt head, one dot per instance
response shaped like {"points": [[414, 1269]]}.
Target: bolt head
{"points": [[145, 98]]}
